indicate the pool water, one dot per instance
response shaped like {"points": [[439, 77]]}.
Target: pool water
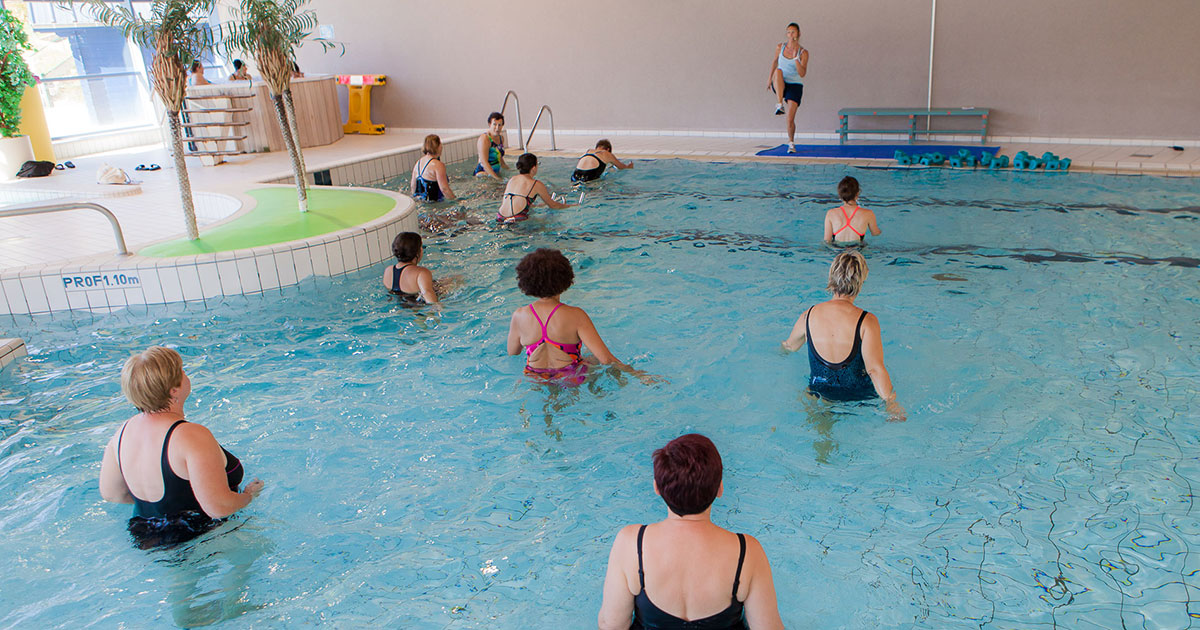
{"points": [[1039, 329]]}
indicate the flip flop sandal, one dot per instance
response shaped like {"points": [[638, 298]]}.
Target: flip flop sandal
{"points": [[140, 167], [154, 167], [59, 167], [69, 164]]}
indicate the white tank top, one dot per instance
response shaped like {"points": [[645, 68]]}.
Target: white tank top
{"points": [[788, 66]]}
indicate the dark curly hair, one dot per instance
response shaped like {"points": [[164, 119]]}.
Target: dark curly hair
{"points": [[544, 273], [406, 246]]}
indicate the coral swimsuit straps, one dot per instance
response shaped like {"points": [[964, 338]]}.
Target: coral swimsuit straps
{"points": [[848, 218]]}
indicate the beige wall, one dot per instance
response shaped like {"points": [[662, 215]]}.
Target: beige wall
{"points": [[1074, 68]]}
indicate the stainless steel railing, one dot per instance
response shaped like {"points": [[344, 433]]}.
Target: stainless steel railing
{"points": [[553, 143], [30, 209], [517, 102]]}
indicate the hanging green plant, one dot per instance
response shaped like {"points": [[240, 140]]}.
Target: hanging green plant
{"points": [[14, 74]]}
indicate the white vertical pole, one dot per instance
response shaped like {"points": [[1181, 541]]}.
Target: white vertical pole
{"points": [[929, 95]]}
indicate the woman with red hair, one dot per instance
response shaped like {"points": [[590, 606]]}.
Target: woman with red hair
{"points": [[685, 571]]}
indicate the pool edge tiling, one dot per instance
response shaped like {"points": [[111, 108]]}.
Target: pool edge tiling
{"points": [[11, 350], [106, 283]]}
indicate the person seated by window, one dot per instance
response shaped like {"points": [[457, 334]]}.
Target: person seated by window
{"points": [[593, 163], [180, 481], [240, 72], [522, 190], [406, 278], [197, 77], [837, 328], [685, 571], [848, 223], [491, 147], [429, 181]]}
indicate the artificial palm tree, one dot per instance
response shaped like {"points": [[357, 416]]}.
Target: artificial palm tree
{"points": [[270, 31], [178, 34]]}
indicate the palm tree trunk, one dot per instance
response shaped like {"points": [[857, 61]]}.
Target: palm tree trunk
{"points": [[181, 174], [285, 129], [295, 127]]}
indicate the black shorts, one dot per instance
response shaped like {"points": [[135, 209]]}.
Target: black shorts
{"points": [[793, 92]]}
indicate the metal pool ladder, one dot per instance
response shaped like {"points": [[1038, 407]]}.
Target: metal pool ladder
{"points": [[71, 205], [545, 108], [517, 102]]}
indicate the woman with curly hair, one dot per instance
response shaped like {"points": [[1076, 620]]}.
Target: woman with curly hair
{"points": [[552, 333]]}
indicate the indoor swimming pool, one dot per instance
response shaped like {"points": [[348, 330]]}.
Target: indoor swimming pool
{"points": [[1040, 330]]}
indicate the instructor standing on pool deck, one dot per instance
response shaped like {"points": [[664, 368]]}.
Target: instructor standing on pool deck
{"points": [[787, 79]]}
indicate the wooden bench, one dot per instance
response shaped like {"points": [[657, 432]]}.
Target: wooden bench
{"points": [[912, 113]]}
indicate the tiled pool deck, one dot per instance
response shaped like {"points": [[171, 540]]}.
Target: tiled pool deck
{"points": [[39, 254]]}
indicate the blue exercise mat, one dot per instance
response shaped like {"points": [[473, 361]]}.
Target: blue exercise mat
{"points": [[873, 151]]}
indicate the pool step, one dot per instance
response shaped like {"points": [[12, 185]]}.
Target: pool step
{"points": [[10, 350]]}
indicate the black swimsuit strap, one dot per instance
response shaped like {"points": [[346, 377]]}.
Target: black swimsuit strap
{"points": [[737, 577], [119, 438], [641, 571], [858, 330], [399, 271], [166, 462]]}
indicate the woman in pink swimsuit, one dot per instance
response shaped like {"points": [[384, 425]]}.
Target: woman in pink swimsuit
{"points": [[848, 224], [552, 333]]}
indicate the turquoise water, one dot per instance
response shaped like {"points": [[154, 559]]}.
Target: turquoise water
{"points": [[1040, 330]]}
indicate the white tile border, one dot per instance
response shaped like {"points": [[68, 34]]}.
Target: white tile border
{"points": [[10, 350], [110, 283]]}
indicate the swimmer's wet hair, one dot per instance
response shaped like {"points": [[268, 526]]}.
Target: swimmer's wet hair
{"points": [[495, 116], [149, 376], [688, 473], [847, 273], [526, 162], [848, 188], [237, 64], [544, 273], [406, 246], [604, 144], [433, 143]]}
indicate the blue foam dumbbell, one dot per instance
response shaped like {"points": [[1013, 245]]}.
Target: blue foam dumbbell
{"points": [[955, 160]]}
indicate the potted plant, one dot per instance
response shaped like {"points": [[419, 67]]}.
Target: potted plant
{"points": [[15, 76]]}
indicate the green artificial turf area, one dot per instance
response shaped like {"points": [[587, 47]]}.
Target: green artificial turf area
{"points": [[276, 220]]}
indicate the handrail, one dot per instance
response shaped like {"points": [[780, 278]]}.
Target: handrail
{"points": [[73, 205], [517, 101], [553, 143]]}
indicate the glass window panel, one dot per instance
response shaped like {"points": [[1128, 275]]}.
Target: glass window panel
{"points": [[80, 106]]}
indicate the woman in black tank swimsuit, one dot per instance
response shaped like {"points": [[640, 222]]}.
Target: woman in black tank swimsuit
{"points": [[155, 383], [714, 564], [408, 250], [861, 374]]}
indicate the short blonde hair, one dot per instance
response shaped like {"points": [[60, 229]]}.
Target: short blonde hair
{"points": [[149, 376], [432, 144], [847, 273]]}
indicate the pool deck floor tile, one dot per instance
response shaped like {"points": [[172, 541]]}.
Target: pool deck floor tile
{"points": [[151, 212]]}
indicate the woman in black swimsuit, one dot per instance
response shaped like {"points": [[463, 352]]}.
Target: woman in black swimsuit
{"points": [[158, 454], [684, 571], [592, 165], [406, 279], [522, 190], [838, 328]]}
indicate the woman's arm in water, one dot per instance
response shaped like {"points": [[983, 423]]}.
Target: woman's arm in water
{"points": [[112, 484], [206, 473], [514, 335], [828, 228], [873, 224], [616, 609], [607, 157], [412, 183], [443, 181], [591, 338], [482, 146], [872, 353], [540, 190], [762, 606], [425, 284], [796, 340]]}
